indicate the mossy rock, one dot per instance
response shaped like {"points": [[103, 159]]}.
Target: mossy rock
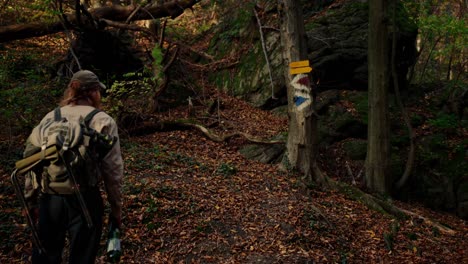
{"points": [[341, 61]]}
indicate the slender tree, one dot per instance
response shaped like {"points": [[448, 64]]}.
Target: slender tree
{"points": [[377, 161], [302, 134]]}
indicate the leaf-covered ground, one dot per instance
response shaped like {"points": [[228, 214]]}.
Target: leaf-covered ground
{"points": [[188, 199]]}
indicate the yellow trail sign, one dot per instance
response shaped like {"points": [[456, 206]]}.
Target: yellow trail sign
{"points": [[298, 64], [300, 70], [298, 67]]}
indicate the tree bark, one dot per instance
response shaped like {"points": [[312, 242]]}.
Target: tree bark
{"points": [[115, 13], [302, 133], [377, 160]]}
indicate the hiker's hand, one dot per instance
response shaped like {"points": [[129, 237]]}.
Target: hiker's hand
{"points": [[115, 221]]}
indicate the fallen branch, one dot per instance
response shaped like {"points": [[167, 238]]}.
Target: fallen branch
{"points": [[131, 27], [149, 128], [223, 138], [267, 60]]}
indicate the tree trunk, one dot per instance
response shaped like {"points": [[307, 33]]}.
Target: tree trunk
{"points": [[302, 135], [377, 161]]}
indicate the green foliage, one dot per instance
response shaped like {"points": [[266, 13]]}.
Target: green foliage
{"points": [[233, 26], [404, 21], [226, 169], [456, 165], [151, 158], [412, 236], [444, 121], [313, 218], [16, 67], [389, 240], [24, 87], [443, 38], [441, 167], [9, 154], [356, 149], [21, 108], [27, 11], [45, 9], [189, 161], [157, 55], [152, 206], [389, 237], [131, 95], [192, 25], [140, 158], [416, 120], [362, 107]]}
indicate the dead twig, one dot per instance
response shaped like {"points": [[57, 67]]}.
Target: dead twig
{"points": [[267, 60]]}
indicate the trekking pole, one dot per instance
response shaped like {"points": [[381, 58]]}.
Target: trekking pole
{"points": [[76, 190], [20, 194]]}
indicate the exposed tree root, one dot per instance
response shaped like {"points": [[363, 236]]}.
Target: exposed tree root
{"points": [[430, 222], [223, 138], [171, 126]]}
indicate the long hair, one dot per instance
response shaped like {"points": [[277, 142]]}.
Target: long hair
{"points": [[76, 93]]}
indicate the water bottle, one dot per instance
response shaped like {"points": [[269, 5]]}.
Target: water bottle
{"points": [[114, 250]]}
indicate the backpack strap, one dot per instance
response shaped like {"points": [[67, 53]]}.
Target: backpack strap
{"points": [[57, 114], [90, 116], [88, 131]]}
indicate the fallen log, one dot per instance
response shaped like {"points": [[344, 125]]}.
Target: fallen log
{"points": [[171, 9]]}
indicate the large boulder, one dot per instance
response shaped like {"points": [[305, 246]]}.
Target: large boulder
{"points": [[337, 42]]}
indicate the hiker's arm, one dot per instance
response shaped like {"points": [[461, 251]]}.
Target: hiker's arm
{"points": [[112, 172], [111, 166]]}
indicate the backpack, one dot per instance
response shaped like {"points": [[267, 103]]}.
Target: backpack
{"points": [[70, 152]]}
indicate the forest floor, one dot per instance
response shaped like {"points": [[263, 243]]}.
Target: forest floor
{"points": [[188, 199]]}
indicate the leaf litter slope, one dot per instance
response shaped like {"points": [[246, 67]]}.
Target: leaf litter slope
{"points": [[192, 200]]}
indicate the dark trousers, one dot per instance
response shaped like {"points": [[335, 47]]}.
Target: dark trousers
{"points": [[62, 214]]}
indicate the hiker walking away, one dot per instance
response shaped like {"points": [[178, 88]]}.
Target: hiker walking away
{"points": [[77, 212]]}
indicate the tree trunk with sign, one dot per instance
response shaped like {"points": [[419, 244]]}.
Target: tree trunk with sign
{"points": [[302, 135], [377, 161]]}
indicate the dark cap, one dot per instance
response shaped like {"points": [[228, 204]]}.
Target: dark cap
{"points": [[86, 78]]}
